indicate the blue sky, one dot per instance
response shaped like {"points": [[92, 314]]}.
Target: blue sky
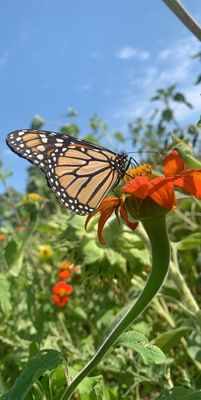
{"points": [[106, 57]]}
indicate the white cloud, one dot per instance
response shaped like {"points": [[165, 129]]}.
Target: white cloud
{"points": [[164, 54], [127, 53], [143, 55], [171, 65]]}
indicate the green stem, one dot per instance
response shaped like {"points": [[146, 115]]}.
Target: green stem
{"points": [[156, 230], [179, 279]]}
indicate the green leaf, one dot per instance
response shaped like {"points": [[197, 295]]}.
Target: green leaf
{"points": [[180, 393], [58, 381], [139, 343], [179, 97], [119, 137], [198, 80], [70, 129], [37, 122], [199, 123], [169, 339], [190, 242], [46, 360], [167, 114], [92, 388], [11, 252], [116, 259], [5, 295], [92, 252]]}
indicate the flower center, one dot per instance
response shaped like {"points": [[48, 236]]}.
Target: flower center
{"points": [[141, 170]]}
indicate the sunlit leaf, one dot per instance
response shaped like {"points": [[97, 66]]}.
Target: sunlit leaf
{"points": [[139, 343], [92, 388]]}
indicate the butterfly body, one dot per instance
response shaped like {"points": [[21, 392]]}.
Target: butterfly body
{"points": [[79, 172]]}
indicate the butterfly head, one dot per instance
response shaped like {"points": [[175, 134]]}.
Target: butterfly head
{"points": [[122, 162]]}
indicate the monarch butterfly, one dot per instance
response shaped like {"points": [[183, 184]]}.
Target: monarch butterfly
{"points": [[79, 172]]}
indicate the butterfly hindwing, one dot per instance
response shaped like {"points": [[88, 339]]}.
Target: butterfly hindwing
{"points": [[79, 172]]}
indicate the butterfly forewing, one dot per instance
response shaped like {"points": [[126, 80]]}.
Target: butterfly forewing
{"points": [[79, 172]]}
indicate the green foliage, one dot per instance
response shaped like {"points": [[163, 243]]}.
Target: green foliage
{"points": [[46, 360], [139, 343], [159, 357]]}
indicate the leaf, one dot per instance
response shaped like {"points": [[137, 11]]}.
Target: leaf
{"points": [[180, 393], [92, 388], [11, 252], [70, 129], [5, 295], [46, 360], [198, 80], [92, 252], [190, 242], [37, 122], [169, 339], [116, 259], [199, 123], [139, 343], [167, 114], [119, 137], [179, 97]]}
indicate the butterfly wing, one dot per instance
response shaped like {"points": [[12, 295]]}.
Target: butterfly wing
{"points": [[80, 173]]}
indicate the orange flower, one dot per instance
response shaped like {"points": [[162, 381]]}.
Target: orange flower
{"points": [[65, 274], [2, 237], [60, 301], [106, 208], [61, 291], [20, 228], [144, 192], [161, 188], [64, 265]]}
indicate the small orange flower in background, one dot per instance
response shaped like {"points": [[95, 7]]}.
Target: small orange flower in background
{"points": [[65, 274], [20, 228], [61, 291], [66, 267], [3, 237], [143, 190], [45, 252]]}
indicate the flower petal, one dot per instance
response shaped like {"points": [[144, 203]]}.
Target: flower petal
{"points": [[162, 192], [124, 216], [173, 163], [106, 208], [138, 187], [189, 181]]}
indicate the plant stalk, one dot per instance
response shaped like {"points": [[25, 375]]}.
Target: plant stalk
{"points": [[157, 233]]}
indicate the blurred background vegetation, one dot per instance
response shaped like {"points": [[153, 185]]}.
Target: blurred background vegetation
{"points": [[105, 279]]}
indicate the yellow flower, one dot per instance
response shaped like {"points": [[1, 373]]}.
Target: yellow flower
{"points": [[45, 251], [33, 197]]}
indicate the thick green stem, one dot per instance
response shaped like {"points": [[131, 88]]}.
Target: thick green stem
{"points": [[156, 230]]}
